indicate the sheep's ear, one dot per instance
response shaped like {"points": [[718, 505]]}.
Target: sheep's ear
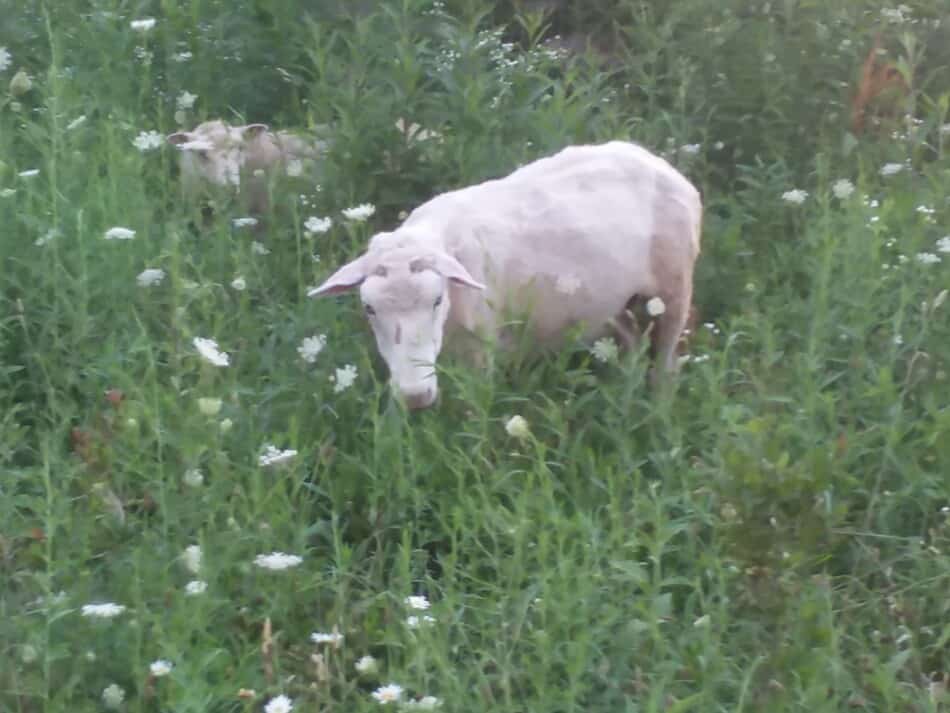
{"points": [[252, 131], [448, 267], [346, 278], [179, 138]]}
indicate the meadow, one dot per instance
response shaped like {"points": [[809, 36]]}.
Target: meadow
{"points": [[275, 533]]}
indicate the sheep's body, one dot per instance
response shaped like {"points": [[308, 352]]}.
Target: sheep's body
{"points": [[565, 241], [243, 158]]}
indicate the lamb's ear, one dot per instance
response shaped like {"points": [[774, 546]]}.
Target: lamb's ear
{"points": [[252, 131], [179, 138], [449, 267], [346, 278]]}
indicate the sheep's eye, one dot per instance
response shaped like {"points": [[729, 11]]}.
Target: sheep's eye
{"points": [[370, 312], [203, 155], [438, 301]]}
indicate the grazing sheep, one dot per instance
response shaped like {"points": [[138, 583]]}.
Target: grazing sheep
{"points": [[567, 240], [241, 157]]}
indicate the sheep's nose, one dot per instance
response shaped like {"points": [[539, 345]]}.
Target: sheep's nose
{"points": [[420, 399]]}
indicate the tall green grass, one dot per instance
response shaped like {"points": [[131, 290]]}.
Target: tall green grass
{"points": [[772, 536]]}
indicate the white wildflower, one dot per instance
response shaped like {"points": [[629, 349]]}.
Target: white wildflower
{"points": [[226, 425], [890, 169], [102, 611], [239, 283], [75, 124], [272, 456], [160, 668], [796, 196], [294, 167], [928, 258], [209, 406], [193, 478], [150, 277], [567, 284], [279, 704], [366, 665], [390, 693], [426, 703], [277, 561], [119, 234], [605, 350], [47, 237], [7, 192], [414, 622], [143, 25], [691, 149], [517, 427], [417, 602], [344, 378], [359, 213], [244, 222], [315, 225], [311, 347], [208, 349], [943, 245], [335, 638], [842, 188], [182, 56], [259, 248], [29, 173], [112, 696], [5, 59], [195, 587], [655, 306], [719, 145], [148, 140], [898, 340], [925, 210], [185, 100], [191, 558]]}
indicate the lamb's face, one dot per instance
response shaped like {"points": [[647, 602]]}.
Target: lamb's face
{"points": [[215, 151]]}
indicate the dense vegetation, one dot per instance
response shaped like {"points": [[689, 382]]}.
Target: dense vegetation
{"points": [[773, 536]]}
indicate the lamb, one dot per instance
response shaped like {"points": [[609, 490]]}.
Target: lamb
{"points": [[241, 157], [564, 242]]}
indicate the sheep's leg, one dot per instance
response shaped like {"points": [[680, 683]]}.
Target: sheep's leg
{"points": [[670, 324]]}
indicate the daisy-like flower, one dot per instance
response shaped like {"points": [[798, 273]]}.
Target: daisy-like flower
{"points": [[366, 665], [209, 406], [691, 149], [182, 57], [29, 173], [113, 696], [185, 100], [47, 237], [928, 258], [359, 213], [517, 427], [335, 638], [311, 347], [567, 284], [426, 703], [118, 233], [191, 558], [108, 610], [344, 378], [150, 277], [277, 561], [943, 245], [244, 222], [417, 602], [315, 225], [925, 210], [195, 587], [208, 349], [655, 306], [239, 283], [842, 188], [76, 123], [259, 248], [605, 350], [279, 704], [891, 169], [143, 25], [193, 478], [796, 196], [148, 140], [414, 622], [5, 59], [160, 668], [273, 456], [294, 167], [390, 693]]}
